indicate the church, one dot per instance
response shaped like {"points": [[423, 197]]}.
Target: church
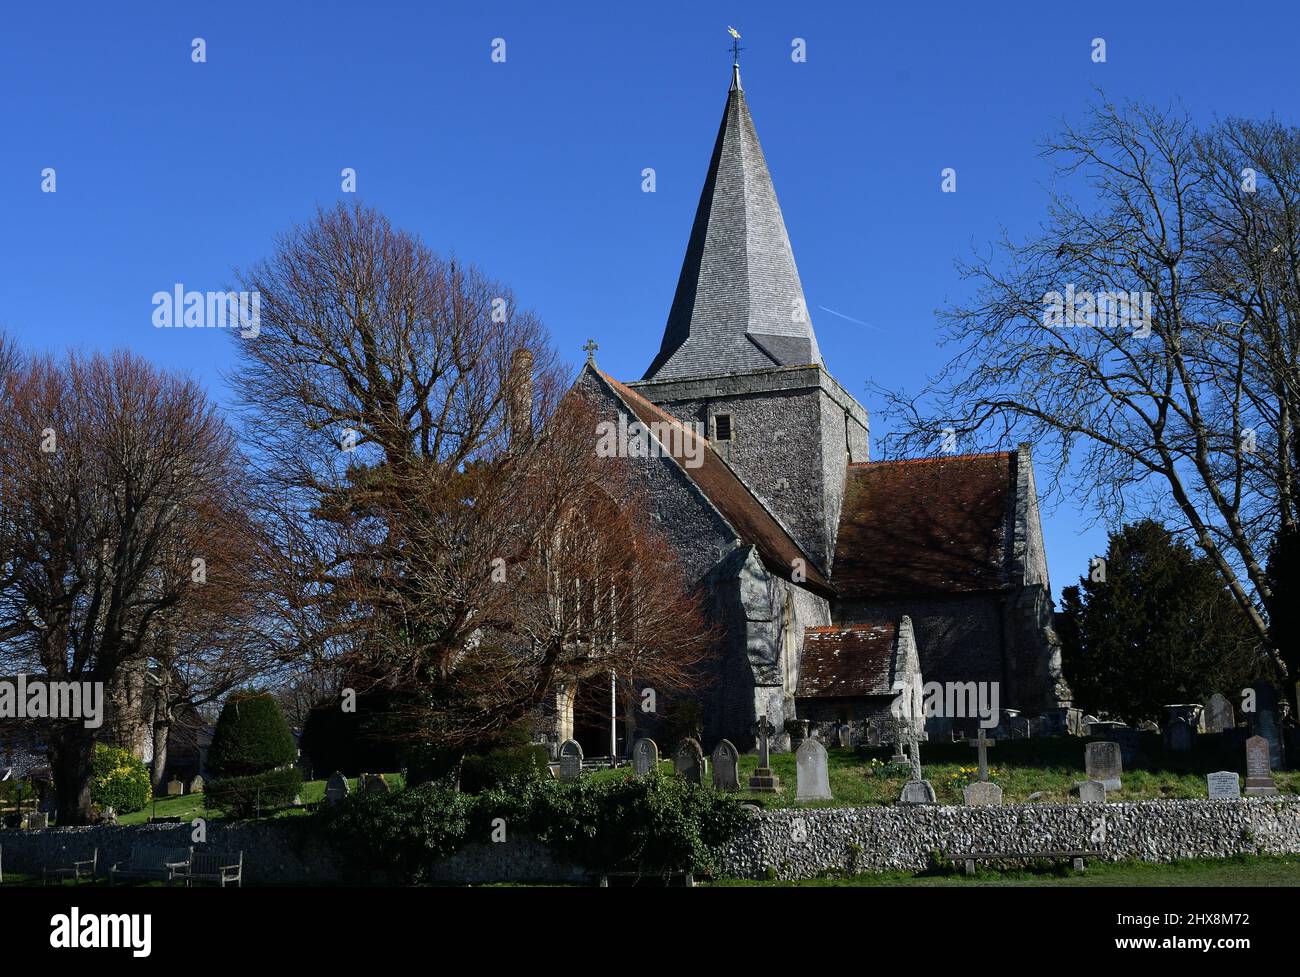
{"points": [[836, 579]]}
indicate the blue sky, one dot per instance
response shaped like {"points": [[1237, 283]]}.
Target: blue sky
{"points": [[170, 171]]}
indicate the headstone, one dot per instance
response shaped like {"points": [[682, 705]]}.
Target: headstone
{"points": [[982, 744], [336, 788], [1086, 722], [726, 766], [371, 783], [570, 760], [1180, 737], [1223, 785], [1091, 792], [810, 772], [645, 757], [175, 788], [982, 793], [1218, 714], [196, 785], [763, 780], [844, 736], [917, 792], [1259, 773], [1265, 722], [688, 761], [1103, 762]]}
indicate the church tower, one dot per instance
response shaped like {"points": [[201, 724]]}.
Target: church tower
{"points": [[739, 354]]}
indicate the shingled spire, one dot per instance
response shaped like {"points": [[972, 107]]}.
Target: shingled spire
{"points": [[739, 303]]}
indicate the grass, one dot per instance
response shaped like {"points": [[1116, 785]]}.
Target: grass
{"points": [[1242, 870], [187, 807], [1044, 767]]}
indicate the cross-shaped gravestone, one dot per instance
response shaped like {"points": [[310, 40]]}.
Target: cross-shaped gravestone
{"points": [[763, 779], [764, 728], [983, 745]]}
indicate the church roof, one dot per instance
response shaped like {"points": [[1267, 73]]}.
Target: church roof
{"points": [[739, 304], [751, 520], [926, 526], [847, 662]]}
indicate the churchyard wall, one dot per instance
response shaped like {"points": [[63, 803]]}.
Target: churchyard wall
{"points": [[788, 844]]}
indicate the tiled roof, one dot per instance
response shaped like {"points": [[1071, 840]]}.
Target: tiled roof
{"points": [[739, 304], [847, 662], [752, 521], [925, 526]]}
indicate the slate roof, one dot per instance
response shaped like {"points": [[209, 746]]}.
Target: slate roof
{"points": [[925, 526], [847, 662], [751, 520], [739, 304]]}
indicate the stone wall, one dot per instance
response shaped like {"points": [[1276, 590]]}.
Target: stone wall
{"points": [[878, 839]]}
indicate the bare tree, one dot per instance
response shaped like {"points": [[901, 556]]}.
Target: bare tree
{"points": [[115, 479], [1145, 339]]}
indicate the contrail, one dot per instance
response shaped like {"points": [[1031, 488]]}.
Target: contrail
{"points": [[850, 318]]}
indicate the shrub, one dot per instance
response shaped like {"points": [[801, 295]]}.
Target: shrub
{"points": [[251, 737], [498, 767], [350, 742], [254, 794], [120, 780]]}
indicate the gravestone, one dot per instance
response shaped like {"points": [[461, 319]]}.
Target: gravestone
{"points": [[1102, 760], [369, 783], [1180, 737], [1086, 722], [570, 760], [763, 780], [175, 788], [982, 744], [336, 788], [688, 761], [982, 793], [844, 736], [1091, 792], [1223, 785], [726, 766], [1266, 722], [1259, 773], [918, 792], [645, 757], [1218, 714], [196, 785], [813, 782]]}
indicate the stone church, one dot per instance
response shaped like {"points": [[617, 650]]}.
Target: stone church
{"points": [[835, 577]]}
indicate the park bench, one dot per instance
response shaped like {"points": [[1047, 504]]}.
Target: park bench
{"points": [[215, 866], [151, 863], [1075, 856], [78, 869]]}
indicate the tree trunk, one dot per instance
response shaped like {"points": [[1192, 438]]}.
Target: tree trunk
{"points": [[161, 735], [72, 759]]}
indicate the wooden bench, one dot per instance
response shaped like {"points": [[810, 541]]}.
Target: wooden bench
{"points": [[151, 863], [78, 869], [1075, 856], [215, 866]]}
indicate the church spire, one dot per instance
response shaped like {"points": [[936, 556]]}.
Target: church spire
{"points": [[739, 304]]}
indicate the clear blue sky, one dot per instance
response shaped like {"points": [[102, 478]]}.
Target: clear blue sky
{"points": [[170, 171]]}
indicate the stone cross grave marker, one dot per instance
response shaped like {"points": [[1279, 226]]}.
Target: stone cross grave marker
{"points": [[336, 788], [726, 766], [688, 761], [810, 772], [983, 744], [763, 779], [1092, 792], [1223, 785], [982, 793], [1102, 761], [1259, 772], [645, 757], [570, 760], [1218, 714]]}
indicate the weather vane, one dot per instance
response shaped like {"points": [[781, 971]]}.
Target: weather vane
{"points": [[735, 44]]}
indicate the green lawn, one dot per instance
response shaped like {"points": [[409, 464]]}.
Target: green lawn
{"points": [[190, 806], [1048, 767], [1244, 870]]}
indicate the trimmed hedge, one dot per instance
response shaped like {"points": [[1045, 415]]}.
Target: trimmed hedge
{"points": [[255, 794], [119, 780], [651, 825], [251, 737], [494, 769]]}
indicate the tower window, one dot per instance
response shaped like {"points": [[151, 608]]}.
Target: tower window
{"points": [[721, 427]]}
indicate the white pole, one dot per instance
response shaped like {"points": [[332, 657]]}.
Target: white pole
{"points": [[613, 718]]}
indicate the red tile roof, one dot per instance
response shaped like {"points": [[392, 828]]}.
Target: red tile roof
{"points": [[723, 488], [925, 526], [847, 662]]}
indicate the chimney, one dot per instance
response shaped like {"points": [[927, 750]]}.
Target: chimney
{"points": [[519, 399]]}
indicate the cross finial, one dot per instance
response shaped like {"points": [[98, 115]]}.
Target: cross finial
{"points": [[591, 347], [735, 45]]}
